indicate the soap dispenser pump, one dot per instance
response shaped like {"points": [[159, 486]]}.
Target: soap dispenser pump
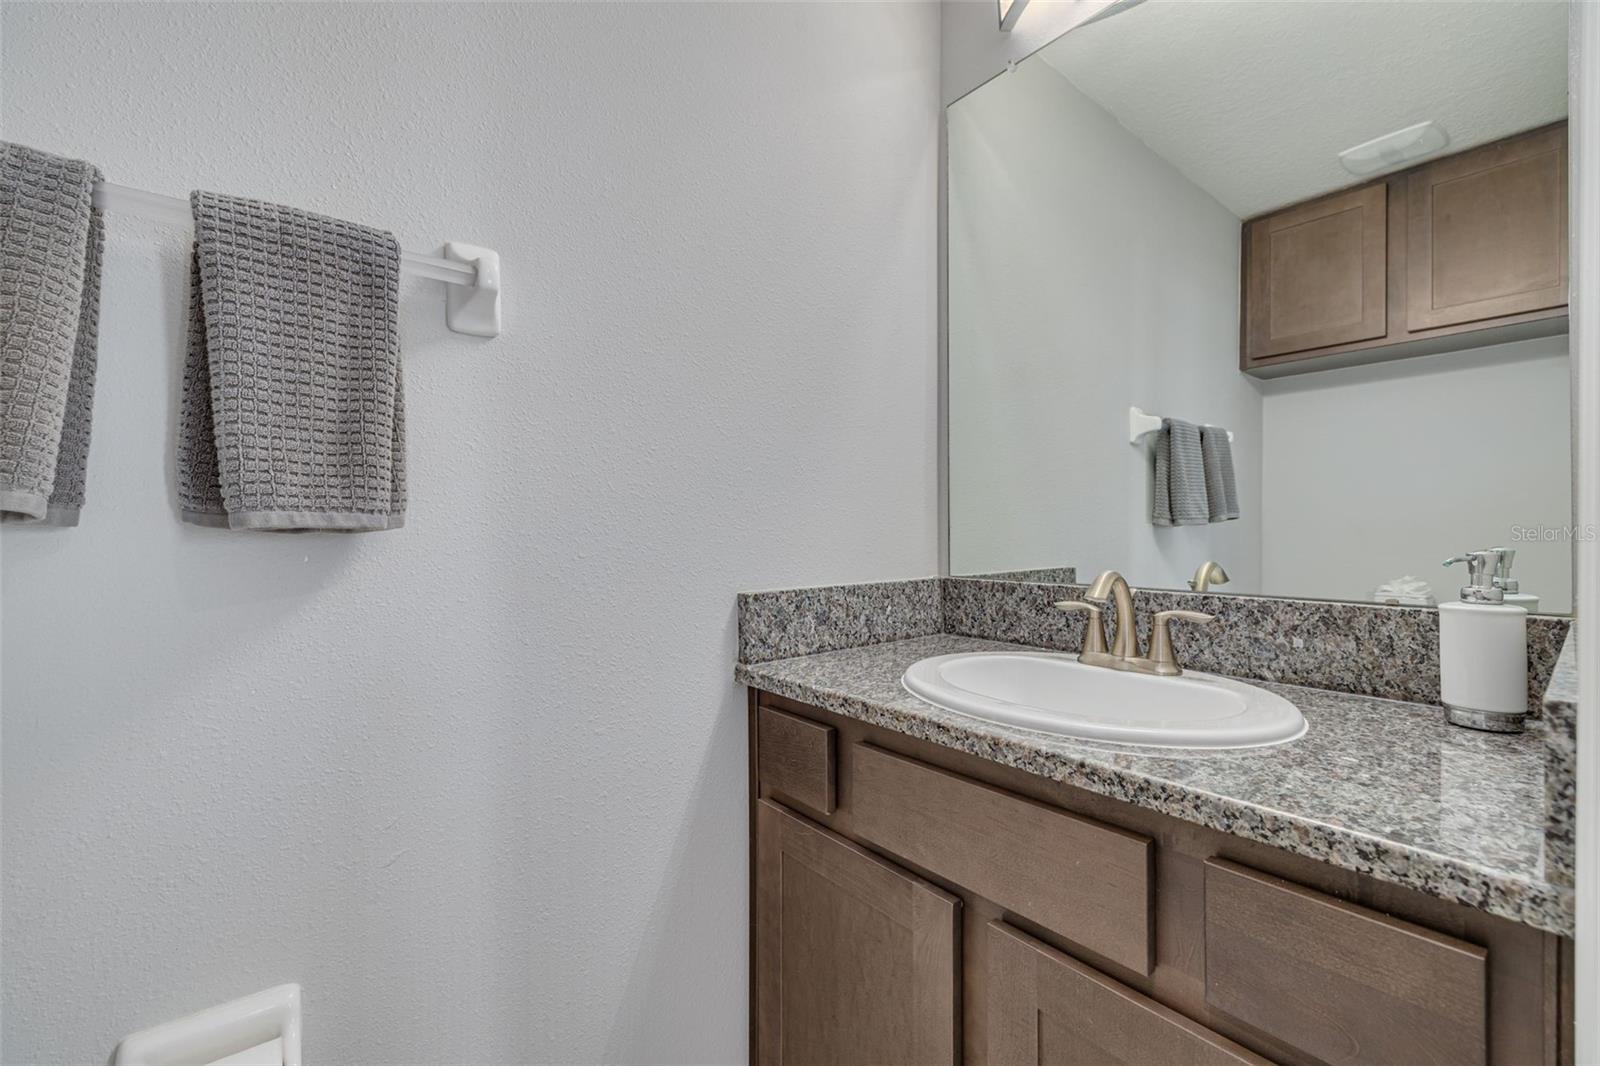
{"points": [[1483, 650], [1510, 588]]}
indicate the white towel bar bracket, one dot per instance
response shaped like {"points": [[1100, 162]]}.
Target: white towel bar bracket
{"points": [[472, 303], [1141, 425], [474, 309]]}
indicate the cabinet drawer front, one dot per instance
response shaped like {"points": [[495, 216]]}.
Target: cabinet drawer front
{"points": [[1317, 275], [795, 758], [1046, 1007], [855, 958], [1343, 983], [1089, 882], [1488, 232]]}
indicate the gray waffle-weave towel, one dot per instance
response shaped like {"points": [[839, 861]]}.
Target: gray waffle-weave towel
{"points": [[51, 242], [1179, 497], [1222, 495], [293, 416]]}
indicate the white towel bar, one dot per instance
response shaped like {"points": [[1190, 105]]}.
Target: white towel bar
{"points": [[481, 274], [1141, 424]]}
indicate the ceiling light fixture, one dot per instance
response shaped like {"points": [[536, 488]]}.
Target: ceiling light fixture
{"points": [[1393, 149]]}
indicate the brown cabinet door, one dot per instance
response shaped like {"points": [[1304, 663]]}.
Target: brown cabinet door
{"points": [[1047, 1007], [1351, 986], [1317, 275], [855, 958], [1487, 232]]}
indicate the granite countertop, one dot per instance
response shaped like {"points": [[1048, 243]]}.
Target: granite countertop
{"points": [[1382, 787], [1561, 766]]}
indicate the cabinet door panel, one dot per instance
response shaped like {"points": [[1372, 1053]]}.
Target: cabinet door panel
{"points": [[1048, 1009], [1348, 985], [1488, 232], [1317, 275], [856, 959]]}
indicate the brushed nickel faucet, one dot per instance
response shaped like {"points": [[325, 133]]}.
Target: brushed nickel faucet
{"points": [[1112, 584], [1124, 651], [1210, 573]]}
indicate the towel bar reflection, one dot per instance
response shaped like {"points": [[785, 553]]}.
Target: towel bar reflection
{"points": [[480, 273], [1141, 425]]}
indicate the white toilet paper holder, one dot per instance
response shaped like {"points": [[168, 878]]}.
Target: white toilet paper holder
{"points": [[254, 1031]]}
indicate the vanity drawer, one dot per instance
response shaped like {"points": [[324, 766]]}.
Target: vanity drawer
{"points": [[795, 758], [1048, 1007], [1343, 983], [1090, 883]]}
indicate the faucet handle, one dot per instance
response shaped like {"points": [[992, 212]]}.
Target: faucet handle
{"points": [[1187, 616], [1094, 630], [1161, 654]]}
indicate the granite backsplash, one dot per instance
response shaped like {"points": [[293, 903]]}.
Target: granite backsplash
{"points": [[791, 622], [1367, 649]]}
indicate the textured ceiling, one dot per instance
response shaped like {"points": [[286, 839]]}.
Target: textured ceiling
{"points": [[1253, 101]]}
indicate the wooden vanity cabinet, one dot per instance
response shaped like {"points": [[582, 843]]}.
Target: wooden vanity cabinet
{"points": [[916, 904], [858, 956], [1044, 1006], [1413, 263], [1088, 881], [1323, 974]]}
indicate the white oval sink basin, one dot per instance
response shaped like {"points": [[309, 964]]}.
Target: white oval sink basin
{"points": [[1054, 693]]}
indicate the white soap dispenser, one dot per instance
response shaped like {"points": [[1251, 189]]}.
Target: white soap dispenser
{"points": [[1514, 596], [1483, 651]]}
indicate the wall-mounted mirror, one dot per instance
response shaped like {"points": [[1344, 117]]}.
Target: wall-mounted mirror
{"points": [[1323, 244]]}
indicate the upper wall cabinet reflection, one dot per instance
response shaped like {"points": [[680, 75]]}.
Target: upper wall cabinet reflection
{"points": [[1316, 276], [1325, 241], [1487, 234], [1462, 252]]}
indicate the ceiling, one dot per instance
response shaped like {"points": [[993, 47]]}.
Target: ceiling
{"points": [[1253, 100]]}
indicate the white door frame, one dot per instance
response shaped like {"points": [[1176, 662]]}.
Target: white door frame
{"points": [[1584, 132]]}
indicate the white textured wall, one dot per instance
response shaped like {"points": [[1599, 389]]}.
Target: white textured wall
{"points": [[1086, 275], [1379, 471], [477, 784]]}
